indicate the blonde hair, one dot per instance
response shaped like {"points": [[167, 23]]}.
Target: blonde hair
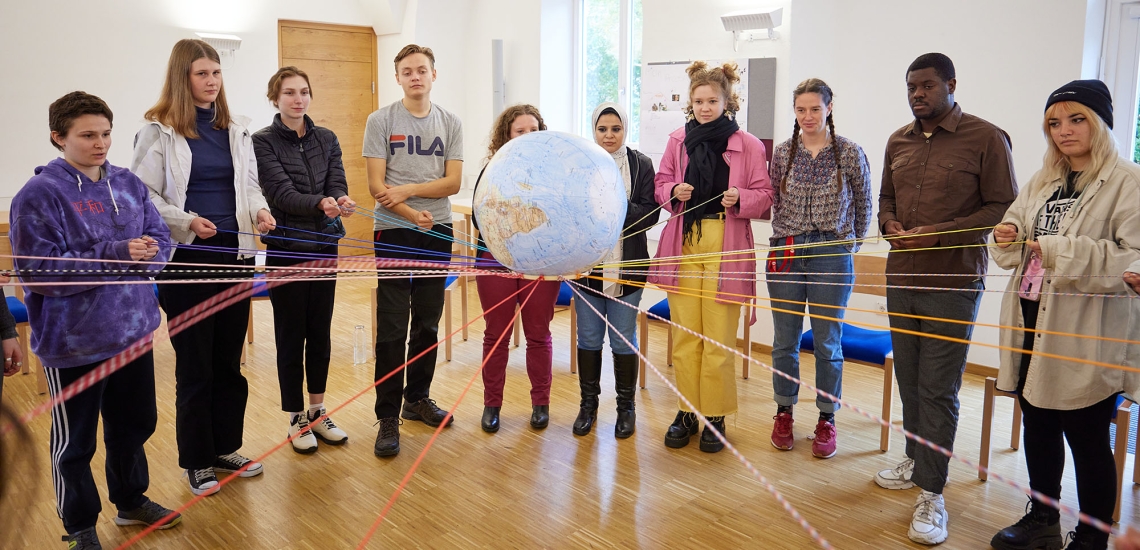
{"points": [[501, 133], [723, 78], [1102, 148], [175, 107]]}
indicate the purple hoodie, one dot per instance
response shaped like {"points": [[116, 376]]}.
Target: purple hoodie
{"points": [[61, 213]]}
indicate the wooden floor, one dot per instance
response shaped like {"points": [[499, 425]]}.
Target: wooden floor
{"points": [[522, 488]]}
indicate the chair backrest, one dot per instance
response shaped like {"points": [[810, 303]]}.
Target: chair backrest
{"points": [[870, 275]]}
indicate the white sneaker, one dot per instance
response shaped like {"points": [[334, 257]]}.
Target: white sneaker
{"points": [[897, 477], [304, 443], [928, 526], [325, 429]]}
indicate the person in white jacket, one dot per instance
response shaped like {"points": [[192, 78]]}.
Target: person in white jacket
{"points": [[1069, 235], [197, 159]]}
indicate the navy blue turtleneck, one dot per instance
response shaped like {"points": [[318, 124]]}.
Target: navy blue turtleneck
{"points": [[210, 192]]}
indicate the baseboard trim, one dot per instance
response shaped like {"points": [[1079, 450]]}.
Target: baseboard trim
{"points": [[971, 368]]}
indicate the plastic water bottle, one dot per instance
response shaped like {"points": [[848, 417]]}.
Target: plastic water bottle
{"points": [[359, 346]]}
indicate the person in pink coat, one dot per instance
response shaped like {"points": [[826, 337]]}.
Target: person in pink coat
{"points": [[713, 180]]}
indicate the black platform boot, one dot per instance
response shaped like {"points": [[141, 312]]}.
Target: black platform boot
{"points": [[590, 380], [625, 383]]}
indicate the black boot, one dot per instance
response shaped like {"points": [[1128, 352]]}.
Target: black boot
{"points": [[709, 442], [490, 422], [625, 380], [682, 428], [1039, 528], [590, 380], [1086, 537], [539, 416]]}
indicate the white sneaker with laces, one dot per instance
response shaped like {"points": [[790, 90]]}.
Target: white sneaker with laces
{"points": [[928, 526], [304, 443], [897, 477], [326, 430]]}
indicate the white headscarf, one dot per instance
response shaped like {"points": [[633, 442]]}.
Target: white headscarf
{"points": [[621, 157]]}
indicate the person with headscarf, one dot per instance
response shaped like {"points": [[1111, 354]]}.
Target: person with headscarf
{"points": [[610, 284]]}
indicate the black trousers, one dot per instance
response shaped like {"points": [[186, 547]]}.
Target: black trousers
{"points": [[125, 400], [397, 299], [210, 390], [302, 326], [1086, 430]]}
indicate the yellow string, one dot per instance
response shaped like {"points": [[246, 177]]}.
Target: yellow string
{"points": [[702, 295]]}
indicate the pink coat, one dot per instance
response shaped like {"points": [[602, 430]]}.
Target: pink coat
{"points": [[748, 172]]}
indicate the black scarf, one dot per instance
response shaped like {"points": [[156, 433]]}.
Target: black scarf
{"points": [[704, 143]]}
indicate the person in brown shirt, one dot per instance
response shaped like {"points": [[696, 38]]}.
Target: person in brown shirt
{"points": [[945, 171]]}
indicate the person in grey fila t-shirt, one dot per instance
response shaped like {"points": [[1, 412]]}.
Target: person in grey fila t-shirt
{"points": [[414, 152]]}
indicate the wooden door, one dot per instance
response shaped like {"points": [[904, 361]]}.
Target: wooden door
{"points": [[341, 63]]}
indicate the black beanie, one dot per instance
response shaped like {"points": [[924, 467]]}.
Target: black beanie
{"points": [[1090, 93]]}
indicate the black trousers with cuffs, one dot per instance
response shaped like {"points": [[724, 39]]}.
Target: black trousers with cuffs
{"points": [[210, 390], [126, 402], [302, 325], [419, 298]]}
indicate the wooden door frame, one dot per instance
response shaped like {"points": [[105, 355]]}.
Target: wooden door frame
{"points": [[339, 28]]}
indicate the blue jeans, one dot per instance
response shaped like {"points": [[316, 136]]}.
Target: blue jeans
{"points": [[796, 285], [592, 328]]}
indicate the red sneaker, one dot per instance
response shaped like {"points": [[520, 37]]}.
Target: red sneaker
{"points": [[782, 437], [823, 446]]}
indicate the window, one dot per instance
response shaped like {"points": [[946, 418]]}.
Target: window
{"points": [[1120, 70], [611, 60]]}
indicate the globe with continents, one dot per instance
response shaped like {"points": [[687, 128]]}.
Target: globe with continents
{"points": [[550, 204]]}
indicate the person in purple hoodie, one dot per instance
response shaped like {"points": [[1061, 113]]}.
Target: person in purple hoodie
{"points": [[86, 236]]}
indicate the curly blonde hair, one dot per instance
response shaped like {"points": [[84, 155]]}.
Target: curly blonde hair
{"points": [[724, 78], [501, 134]]}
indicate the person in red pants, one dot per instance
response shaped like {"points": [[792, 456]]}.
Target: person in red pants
{"points": [[538, 297]]}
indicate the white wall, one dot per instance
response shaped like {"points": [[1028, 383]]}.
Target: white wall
{"points": [[118, 51], [1011, 59]]}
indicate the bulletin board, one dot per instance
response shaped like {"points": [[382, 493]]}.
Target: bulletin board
{"points": [[665, 92]]}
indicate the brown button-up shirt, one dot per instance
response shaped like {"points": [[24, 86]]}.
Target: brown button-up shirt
{"points": [[960, 177]]}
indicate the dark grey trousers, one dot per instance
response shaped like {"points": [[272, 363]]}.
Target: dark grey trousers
{"points": [[929, 372]]}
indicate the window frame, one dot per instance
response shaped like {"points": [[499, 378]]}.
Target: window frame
{"points": [[1120, 67], [625, 66]]}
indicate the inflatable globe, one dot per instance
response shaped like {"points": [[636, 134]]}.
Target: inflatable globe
{"points": [[551, 204]]}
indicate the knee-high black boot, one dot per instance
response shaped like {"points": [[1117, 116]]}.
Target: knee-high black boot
{"points": [[625, 382], [590, 380]]}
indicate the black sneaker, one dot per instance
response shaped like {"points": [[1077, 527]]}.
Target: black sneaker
{"points": [[1040, 527], [149, 514], [203, 481], [228, 464], [426, 411], [709, 441], [86, 539], [1087, 538], [683, 427], [388, 438]]}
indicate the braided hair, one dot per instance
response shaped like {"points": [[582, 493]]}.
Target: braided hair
{"points": [[813, 86]]}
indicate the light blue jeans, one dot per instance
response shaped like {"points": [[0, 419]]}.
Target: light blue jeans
{"points": [[592, 328], [796, 285]]}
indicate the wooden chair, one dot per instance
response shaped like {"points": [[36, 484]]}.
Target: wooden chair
{"points": [[1122, 417], [24, 332], [260, 292], [864, 346], [661, 309]]}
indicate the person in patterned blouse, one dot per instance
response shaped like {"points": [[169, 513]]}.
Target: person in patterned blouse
{"points": [[822, 208]]}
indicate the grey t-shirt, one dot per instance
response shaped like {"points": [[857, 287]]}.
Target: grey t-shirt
{"points": [[417, 150]]}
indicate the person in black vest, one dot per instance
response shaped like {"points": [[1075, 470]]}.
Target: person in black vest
{"points": [[300, 171], [637, 175]]}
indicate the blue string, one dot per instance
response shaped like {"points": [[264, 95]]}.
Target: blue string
{"points": [[405, 224]]}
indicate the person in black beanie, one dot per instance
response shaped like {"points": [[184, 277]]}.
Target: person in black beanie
{"points": [[1069, 235]]}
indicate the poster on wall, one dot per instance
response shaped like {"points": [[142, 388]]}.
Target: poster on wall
{"points": [[664, 95], [665, 92]]}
